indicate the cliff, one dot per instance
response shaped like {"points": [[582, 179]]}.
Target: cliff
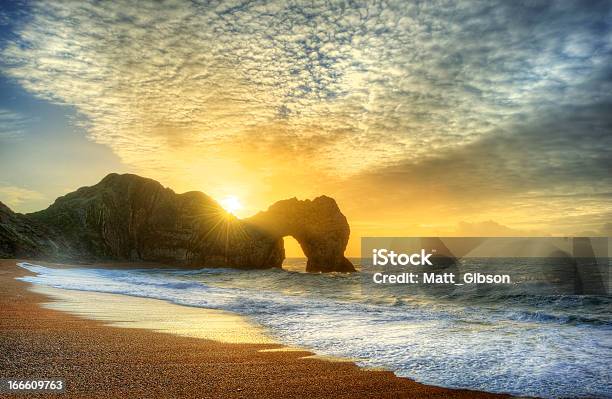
{"points": [[21, 236], [131, 218]]}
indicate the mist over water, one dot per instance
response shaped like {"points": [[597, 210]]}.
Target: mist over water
{"points": [[494, 339]]}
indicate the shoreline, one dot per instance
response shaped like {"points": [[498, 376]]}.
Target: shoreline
{"points": [[99, 359], [126, 311]]}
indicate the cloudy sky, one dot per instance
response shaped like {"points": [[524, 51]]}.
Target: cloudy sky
{"points": [[490, 118]]}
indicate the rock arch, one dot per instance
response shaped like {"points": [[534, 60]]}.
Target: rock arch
{"points": [[319, 227], [131, 218]]}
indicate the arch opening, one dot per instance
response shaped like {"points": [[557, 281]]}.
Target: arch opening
{"points": [[295, 259]]}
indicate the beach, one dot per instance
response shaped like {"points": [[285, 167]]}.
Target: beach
{"points": [[98, 358]]}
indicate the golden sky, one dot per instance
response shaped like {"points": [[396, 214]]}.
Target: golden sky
{"points": [[420, 119]]}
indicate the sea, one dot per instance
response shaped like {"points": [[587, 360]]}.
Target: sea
{"points": [[507, 339]]}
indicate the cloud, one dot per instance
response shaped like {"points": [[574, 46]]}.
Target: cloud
{"points": [[12, 125], [606, 229], [491, 228], [483, 106], [18, 197], [555, 170], [564, 152], [380, 81]]}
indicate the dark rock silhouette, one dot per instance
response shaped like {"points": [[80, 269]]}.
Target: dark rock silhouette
{"points": [[319, 227], [23, 236], [131, 218]]}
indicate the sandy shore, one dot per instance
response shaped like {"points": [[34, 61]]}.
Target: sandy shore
{"points": [[105, 361]]}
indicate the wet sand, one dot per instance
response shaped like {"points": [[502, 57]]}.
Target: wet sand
{"points": [[155, 315], [143, 357]]}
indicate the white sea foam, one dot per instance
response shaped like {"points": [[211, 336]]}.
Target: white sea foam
{"points": [[503, 347]]}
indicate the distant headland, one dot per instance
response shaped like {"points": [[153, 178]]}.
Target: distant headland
{"points": [[132, 218]]}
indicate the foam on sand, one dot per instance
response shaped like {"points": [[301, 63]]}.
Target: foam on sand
{"points": [[157, 315]]}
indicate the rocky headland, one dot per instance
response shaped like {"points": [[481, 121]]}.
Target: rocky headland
{"points": [[132, 218]]}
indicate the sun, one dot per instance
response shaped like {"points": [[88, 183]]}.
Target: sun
{"points": [[231, 203]]}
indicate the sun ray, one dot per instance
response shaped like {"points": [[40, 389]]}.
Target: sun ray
{"points": [[231, 204]]}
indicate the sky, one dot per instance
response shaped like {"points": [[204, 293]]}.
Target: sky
{"points": [[419, 118]]}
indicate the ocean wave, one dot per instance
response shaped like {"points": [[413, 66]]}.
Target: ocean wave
{"points": [[555, 318], [498, 345]]}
